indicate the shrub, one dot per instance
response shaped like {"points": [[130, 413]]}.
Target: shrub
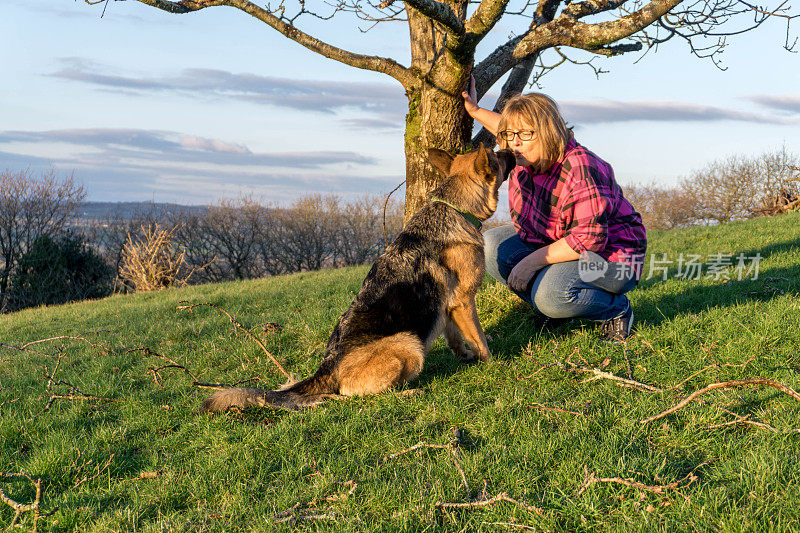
{"points": [[152, 261], [58, 270]]}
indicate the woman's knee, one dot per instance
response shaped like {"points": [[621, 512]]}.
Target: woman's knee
{"points": [[555, 292], [557, 301]]}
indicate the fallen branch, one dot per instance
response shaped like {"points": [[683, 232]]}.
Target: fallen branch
{"points": [[453, 447], [171, 363], [20, 508], [237, 325], [310, 510], [591, 479], [724, 385], [709, 367], [601, 374], [484, 500]]}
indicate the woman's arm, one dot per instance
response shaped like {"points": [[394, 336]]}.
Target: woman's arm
{"points": [[488, 119], [523, 272]]}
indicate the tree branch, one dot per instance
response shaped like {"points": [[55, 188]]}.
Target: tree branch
{"points": [[724, 385], [566, 30], [441, 13], [484, 18], [375, 63]]}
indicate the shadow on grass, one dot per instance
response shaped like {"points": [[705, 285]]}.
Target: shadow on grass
{"points": [[520, 325], [696, 298]]}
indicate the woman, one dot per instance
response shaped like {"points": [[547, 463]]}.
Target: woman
{"points": [[576, 245]]}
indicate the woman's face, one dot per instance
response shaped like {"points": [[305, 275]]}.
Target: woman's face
{"points": [[527, 152]]}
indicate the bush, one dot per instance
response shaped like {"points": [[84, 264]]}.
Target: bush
{"points": [[151, 261], [57, 270]]}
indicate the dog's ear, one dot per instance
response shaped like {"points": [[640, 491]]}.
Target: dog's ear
{"points": [[441, 160], [482, 167]]}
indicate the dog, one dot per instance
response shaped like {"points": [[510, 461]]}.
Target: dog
{"points": [[423, 285]]}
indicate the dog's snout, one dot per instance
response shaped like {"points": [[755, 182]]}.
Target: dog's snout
{"points": [[507, 162]]}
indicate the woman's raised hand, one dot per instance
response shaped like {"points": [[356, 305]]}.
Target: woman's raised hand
{"points": [[471, 97]]}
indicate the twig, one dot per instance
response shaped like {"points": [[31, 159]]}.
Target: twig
{"points": [[74, 394], [542, 407], [724, 385], [155, 370], [189, 307], [709, 367], [386, 203], [310, 510], [484, 501], [100, 470], [415, 447], [600, 374], [591, 479], [20, 508], [510, 524]]}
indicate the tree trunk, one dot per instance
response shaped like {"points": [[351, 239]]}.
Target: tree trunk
{"points": [[436, 116], [435, 120]]}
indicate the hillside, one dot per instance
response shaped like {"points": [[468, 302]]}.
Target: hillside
{"points": [[551, 447]]}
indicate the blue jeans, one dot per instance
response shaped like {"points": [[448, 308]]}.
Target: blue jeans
{"points": [[557, 291]]}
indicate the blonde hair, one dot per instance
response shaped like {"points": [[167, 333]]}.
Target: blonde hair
{"points": [[541, 113]]}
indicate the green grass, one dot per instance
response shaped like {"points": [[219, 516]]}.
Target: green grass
{"points": [[236, 472]]}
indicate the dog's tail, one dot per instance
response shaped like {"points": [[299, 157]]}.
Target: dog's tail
{"points": [[306, 393]]}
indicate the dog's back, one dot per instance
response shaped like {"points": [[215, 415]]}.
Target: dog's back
{"points": [[407, 299]]}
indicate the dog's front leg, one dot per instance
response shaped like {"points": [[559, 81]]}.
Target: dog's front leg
{"points": [[456, 342], [465, 317]]}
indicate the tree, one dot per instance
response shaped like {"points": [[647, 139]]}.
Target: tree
{"points": [[31, 207], [59, 270], [445, 34]]}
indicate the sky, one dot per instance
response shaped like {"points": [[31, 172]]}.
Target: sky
{"points": [[142, 105]]}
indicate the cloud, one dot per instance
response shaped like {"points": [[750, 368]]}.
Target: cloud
{"points": [[306, 95], [583, 113], [787, 103], [122, 164], [145, 147]]}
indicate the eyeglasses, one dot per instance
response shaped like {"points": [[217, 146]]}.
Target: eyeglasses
{"points": [[524, 135]]}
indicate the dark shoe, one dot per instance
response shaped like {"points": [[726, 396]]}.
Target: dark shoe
{"points": [[618, 329]]}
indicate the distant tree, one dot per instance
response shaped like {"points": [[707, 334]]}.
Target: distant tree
{"points": [[32, 207], [730, 188], [662, 207], [445, 36], [780, 181], [359, 229], [57, 270], [309, 232]]}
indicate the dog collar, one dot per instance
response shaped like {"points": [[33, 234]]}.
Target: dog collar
{"points": [[472, 219]]}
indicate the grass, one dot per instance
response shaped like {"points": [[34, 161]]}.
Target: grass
{"points": [[237, 472]]}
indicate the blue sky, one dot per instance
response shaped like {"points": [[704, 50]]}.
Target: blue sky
{"points": [[144, 105]]}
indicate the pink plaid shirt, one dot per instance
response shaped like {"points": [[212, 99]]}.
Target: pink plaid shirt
{"points": [[579, 200]]}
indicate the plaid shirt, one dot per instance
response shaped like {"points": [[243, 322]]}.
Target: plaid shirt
{"points": [[579, 200]]}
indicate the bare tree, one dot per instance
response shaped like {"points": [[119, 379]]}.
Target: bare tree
{"points": [[32, 207], [310, 232], [780, 181], [359, 230], [662, 207], [444, 37]]}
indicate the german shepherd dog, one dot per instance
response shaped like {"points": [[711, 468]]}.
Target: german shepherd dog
{"points": [[423, 285]]}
